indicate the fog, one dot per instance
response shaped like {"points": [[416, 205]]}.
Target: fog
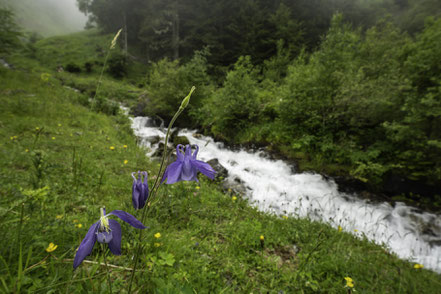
{"points": [[48, 17]]}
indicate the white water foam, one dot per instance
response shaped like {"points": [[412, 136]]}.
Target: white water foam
{"points": [[273, 187]]}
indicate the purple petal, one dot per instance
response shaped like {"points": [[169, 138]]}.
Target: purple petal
{"points": [[115, 243], [135, 195], [196, 151], [204, 168], [104, 237], [179, 152], [173, 172], [86, 245], [189, 172], [128, 218]]}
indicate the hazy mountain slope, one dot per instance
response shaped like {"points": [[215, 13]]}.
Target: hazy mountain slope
{"points": [[47, 17]]}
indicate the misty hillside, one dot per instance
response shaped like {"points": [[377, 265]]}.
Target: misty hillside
{"points": [[47, 17]]}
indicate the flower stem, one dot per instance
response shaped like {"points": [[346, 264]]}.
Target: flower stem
{"points": [[155, 187], [107, 269]]}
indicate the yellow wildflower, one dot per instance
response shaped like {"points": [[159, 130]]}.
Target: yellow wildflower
{"points": [[340, 228], [51, 247], [59, 125], [125, 146], [418, 266], [53, 138], [157, 244], [79, 226], [262, 238], [37, 128], [197, 187], [349, 282], [234, 198], [112, 148], [126, 161], [27, 150], [157, 235]]}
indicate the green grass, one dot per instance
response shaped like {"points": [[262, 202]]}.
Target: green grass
{"points": [[56, 177]]}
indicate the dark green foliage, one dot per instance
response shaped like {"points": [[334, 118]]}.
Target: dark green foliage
{"points": [[9, 32], [234, 106], [168, 83], [117, 65], [72, 68]]}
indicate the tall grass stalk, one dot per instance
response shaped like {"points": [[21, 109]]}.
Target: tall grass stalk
{"points": [[112, 46], [155, 187]]}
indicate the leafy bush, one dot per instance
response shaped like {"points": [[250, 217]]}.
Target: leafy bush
{"points": [[117, 65], [235, 106], [168, 83]]}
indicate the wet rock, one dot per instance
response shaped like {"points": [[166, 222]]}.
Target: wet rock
{"points": [[5, 64], [139, 108], [180, 140], [237, 186], [153, 140], [222, 172]]}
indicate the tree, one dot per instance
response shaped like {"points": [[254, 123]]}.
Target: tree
{"points": [[9, 32]]}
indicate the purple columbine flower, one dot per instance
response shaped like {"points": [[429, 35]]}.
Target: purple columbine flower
{"points": [[140, 190], [105, 231], [186, 166]]}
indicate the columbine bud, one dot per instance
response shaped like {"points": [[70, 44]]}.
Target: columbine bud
{"points": [[140, 190], [187, 99]]}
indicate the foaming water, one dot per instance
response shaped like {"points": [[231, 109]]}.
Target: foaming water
{"points": [[273, 187]]}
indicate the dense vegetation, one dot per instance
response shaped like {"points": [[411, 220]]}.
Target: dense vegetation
{"points": [[58, 168], [355, 94], [364, 102]]}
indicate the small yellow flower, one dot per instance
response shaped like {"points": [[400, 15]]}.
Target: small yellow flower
{"points": [[234, 198], [125, 146], [12, 138], [340, 228], [197, 187], [112, 148], [349, 282], [126, 161], [262, 238], [59, 125], [59, 216], [157, 235], [157, 244], [37, 128], [51, 247], [79, 226], [418, 266], [26, 150]]}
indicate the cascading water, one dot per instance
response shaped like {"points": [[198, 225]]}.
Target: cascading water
{"points": [[273, 187]]}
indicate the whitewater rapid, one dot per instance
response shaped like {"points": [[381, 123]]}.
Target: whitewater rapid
{"points": [[274, 187]]}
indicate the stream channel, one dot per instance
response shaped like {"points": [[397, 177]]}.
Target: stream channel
{"points": [[273, 186]]}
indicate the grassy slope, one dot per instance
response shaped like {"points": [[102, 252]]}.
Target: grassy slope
{"points": [[209, 242]]}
